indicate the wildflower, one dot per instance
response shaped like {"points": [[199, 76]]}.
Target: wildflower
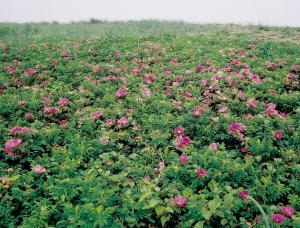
{"points": [[182, 142], [278, 135], [213, 147], [237, 127], [287, 211], [63, 122], [197, 111], [179, 201], [244, 150], [146, 92], [30, 71], [202, 172], [104, 140], [277, 218], [178, 130], [63, 101], [49, 110], [244, 194], [149, 79], [96, 115], [123, 121], [122, 92], [13, 143], [15, 130], [161, 166], [183, 159], [38, 169], [251, 102]]}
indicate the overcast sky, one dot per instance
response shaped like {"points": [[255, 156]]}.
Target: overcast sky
{"points": [[271, 12]]}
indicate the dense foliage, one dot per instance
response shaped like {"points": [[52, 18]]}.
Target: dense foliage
{"points": [[177, 131]]}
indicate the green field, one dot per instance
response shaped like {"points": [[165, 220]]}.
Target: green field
{"points": [[149, 124]]}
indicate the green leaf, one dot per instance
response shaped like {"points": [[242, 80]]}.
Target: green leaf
{"points": [[164, 219], [206, 213], [214, 204], [152, 203], [199, 224]]}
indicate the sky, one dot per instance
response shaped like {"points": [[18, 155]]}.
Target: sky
{"points": [[267, 12]]}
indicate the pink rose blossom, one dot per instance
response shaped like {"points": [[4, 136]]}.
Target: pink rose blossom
{"points": [[279, 135], [63, 101], [96, 115], [178, 130], [179, 201], [30, 71], [38, 169], [146, 92], [122, 92], [200, 68], [202, 172], [15, 130], [104, 140], [182, 142], [197, 111], [123, 121], [49, 110], [13, 143], [251, 102], [287, 211], [213, 147], [149, 79], [183, 159], [237, 127], [244, 194], [63, 122], [277, 218]]}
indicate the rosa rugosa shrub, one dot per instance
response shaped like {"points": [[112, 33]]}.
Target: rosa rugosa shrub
{"points": [[165, 131]]}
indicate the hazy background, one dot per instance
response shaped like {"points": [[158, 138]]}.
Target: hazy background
{"points": [[269, 12]]}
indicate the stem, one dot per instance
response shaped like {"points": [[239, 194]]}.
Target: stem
{"points": [[261, 211]]}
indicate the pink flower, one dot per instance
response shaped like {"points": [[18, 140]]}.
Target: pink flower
{"points": [[183, 159], [63, 101], [200, 68], [146, 92], [251, 102], [237, 127], [49, 110], [271, 112], [186, 94], [123, 121], [244, 194], [28, 115], [38, 169], [104, 140], [179, 201], [287, 211], [244, 150], [178, 130], [63, 122], [15, 130], [278, 135], [202, 172], [122, 92], [161, 166], [109, 122], [182, 142], [213, 147], [197, 111], [30, 71], [12, 144], [149, 79], [277, 218], [96, 115]]}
